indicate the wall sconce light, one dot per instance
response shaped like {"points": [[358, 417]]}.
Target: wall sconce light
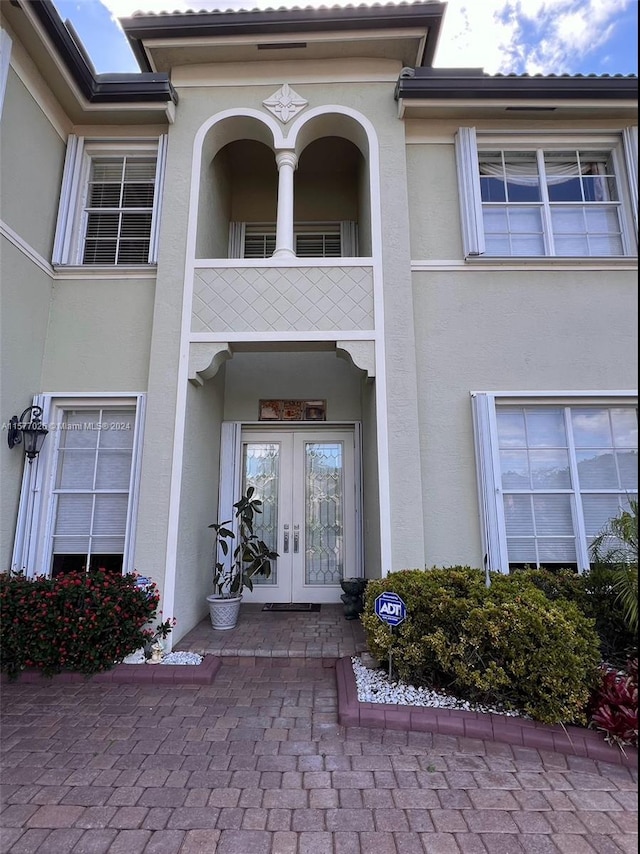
{"points": [[32, 432]]}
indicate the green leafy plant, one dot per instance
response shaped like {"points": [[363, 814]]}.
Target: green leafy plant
{"points": [[235, 568], [594, 592], [82, 622], [616, 547], [507, 645], [163, 629], [158, 634]]}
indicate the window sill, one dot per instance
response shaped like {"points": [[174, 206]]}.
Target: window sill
{"points": [[475, 263], [565, 262], [111, 271]]}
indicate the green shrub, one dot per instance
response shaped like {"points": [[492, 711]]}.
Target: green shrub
{"points": [[618, 640], [508, 645], [596, 595], [437, 600], [83, 622]]}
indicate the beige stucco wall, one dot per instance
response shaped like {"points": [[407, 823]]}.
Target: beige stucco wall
{"points": [[370, 484], [433, 202], [31, 161], [196, 106], [292, 375], [506, 331], [24, 311], [445, 333], [198, 503], [164, 360], [99, 335], [493, 329]]}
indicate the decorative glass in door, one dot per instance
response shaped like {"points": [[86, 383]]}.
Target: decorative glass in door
{"points": [[261, 468], [324, 512], [305, 480]]}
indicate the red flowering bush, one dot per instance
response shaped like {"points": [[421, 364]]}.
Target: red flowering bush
{"points": [[614, 706], [83, 622]]}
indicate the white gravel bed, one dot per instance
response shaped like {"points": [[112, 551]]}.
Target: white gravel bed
{"points": [[374, 687], [170, 658]]}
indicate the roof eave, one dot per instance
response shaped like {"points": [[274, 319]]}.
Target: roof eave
{"points": [[99, 88], [516, 87], [141, 28]]}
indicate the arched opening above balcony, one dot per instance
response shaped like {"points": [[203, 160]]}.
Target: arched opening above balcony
{"points": [[307, 196]]}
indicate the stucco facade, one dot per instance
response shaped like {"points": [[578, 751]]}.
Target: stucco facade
{"points": [[416, 344]]}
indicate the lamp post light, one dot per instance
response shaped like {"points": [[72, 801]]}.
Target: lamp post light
{"points": [[31, 433]]}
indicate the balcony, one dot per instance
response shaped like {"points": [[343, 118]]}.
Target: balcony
{"points": [[242, 296]]}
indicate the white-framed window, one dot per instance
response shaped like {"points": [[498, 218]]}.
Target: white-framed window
{"points": [[551, 472], [109, 212], [311, 240], [548, 196], [79, 498]]}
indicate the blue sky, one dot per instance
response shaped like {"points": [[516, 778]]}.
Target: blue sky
{"points": [[501, 36]]}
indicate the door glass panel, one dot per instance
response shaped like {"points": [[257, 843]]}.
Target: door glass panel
{"points": [[262, 471], [324, 514]]}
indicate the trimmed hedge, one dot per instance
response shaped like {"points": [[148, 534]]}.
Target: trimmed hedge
{"points": [[83, 622], [507, 645], [596, 595]]}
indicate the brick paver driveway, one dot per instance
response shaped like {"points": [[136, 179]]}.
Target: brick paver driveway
{"points": [[256, 763]]}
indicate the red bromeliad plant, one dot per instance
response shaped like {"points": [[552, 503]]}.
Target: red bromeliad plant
{"points": [[614, 707], [83, 622]]}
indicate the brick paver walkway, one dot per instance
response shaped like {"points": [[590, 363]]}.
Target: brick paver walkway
{"points": [[317, 634], [256, 763]]}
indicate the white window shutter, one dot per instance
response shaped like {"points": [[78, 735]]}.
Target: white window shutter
{"points": [[157, 198], [230, 474], [236, 239], [230, 465], [5, 56], [68, 199], [494, 547], [469, 191], [630, 144], [349, 239]]}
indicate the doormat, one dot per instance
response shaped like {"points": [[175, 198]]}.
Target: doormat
{"points": [[291, 606]]}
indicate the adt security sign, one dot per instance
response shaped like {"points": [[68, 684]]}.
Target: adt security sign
{"points": [[390, 608]]}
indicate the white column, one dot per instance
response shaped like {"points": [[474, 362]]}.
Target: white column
{"points": [[287, 162]]}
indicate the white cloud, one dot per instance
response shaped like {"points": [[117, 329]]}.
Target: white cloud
{"points": [[526, 36], [500, 36]]}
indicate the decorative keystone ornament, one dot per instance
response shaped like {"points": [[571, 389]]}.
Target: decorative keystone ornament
{"points": [[285, 103]]}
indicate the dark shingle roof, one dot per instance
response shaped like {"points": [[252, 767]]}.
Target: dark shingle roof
{"points": [[473, 83]]}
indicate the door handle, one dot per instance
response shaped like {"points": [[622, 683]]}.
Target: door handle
{"points": [[296, 538], [285, 545]]}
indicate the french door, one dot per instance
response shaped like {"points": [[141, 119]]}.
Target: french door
{"points": [[306, 482]]}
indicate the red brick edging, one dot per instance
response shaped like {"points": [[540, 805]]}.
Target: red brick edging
{"points": [[141, 674], [571, 741]]}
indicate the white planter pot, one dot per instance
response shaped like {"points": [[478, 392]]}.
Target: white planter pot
{"points": [[224, 612]]}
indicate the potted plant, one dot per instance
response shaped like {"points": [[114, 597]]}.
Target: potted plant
{"points": [[234, 568]]}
